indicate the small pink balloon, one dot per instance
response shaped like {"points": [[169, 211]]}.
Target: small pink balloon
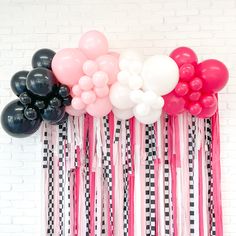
{"points": [[194, 96], [88, 97], [77, 103], [100, 79], [100, 108], [90, 67], [93, 44], [208, 101], [114, 54], [67, 65], [85, 83], [110, 65], [186, 72], [208, 112], [195, 109], [196, 84], [102, 92], [73, 112], [181, 89], [76, 91]]}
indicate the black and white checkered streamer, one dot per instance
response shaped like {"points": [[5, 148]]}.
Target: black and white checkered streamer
{"points": [[150, 143], [107, 165], [117, 131], [191, 155], [45, 146], [208, 140]]}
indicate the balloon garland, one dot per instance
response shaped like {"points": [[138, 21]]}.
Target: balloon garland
{"points": [[130, 146]]}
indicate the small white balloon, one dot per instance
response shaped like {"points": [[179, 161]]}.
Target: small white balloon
{"points": [[136, 96], [160, 74], [141, 109], [123, 114], [124, 64], [123, 77], [159, 103], [135, 82], [120, 96], [135, 67], [150, 97], [153, 116]]}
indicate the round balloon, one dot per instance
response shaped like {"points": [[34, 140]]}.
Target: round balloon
{"points": [[18, 82], [67, 65], [93, 44], [184, 55], [41, 82], [214, 75], [150, 118], [73, 112], [53, 114], [15, 123], [123, 114], [208, 112], [160, 74], [43, 58]]}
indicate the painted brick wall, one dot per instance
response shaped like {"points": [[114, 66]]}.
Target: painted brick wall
{"points": [[151, 26]]}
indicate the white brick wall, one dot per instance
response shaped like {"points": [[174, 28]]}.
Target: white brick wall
{"points": [[152, 26]]}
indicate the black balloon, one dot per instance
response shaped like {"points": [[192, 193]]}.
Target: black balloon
{"points": [[18, 82], [67, 101], [41, 82], [31, 113], [62, 120], [40, 104], [55, 102], [64, 91], [53, 114], [43, 58], [14, 122], [25, 99]]}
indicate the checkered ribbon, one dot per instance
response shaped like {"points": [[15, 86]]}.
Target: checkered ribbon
{"points": [[117, 131], [191, 154], [167, 191], [45, 146], [208, 140], [150, 150]]}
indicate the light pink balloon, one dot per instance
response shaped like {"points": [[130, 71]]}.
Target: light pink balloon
{"points": [[114, 54], [85, 83], [76, 91], [67, 65], [88, 97], [93, 44], [102, 92], [100, 108], [100, 79], [71, 111], [110, 65], [90, 67], [77, 103]]}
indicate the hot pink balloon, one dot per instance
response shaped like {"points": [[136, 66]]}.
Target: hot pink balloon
{"points": [[77, 103], [196, 84], [186, 72], [208, 112], [73, 112], [110, 65], [195, 109], [102, 92], [90, 67], [173, 105], [208, 100], [181, 89], [93, 44], [85, 83], [67, 65], [194, 96], [214, 75], [100, 108], [100, 79], [88, 97], [184, 55]]}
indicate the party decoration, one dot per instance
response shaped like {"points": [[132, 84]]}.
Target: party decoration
{"points": [[91, 79]]}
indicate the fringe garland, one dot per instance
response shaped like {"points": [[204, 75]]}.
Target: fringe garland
{"points": [[112, 177]]}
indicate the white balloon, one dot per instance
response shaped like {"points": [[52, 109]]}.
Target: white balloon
{"points": [[159, 103], [141, 109], [150, 97], [136, 96], [120, 96], [123, 114], [153, 116], [135, 67], [124, 64], [160, 74], [123, 77], [135, 82]]}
